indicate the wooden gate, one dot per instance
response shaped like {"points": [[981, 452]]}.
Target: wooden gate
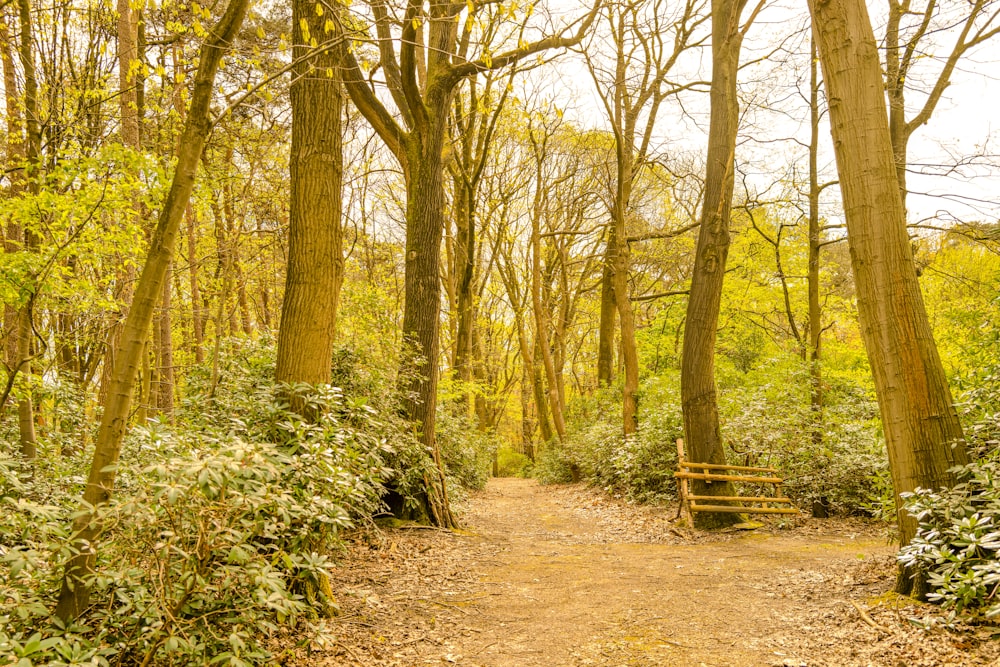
{"points": [[766, 478]]}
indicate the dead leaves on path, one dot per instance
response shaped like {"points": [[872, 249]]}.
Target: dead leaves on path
{"points": [[415, 597]]}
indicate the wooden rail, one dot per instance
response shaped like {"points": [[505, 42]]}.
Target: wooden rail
{"points": [[721, 466], [727, 478], [738, 509]]}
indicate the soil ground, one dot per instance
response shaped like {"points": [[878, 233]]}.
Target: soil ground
{"points": [[566, 576]]}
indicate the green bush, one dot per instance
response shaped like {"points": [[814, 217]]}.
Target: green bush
{"points": [[511, 463], [466, 452], [957, 544], [211, 552], [638, 468], [555, 464], [767, 421]]}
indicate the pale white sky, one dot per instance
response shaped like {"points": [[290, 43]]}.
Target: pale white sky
{"points": [[964, 124]]}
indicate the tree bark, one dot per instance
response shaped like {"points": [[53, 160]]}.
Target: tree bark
{"points": [[164, 390], [75, 594], [315, 254], [606, 327], [812, 276], [197, 317], [422, 290], [24, 152], [540, 308], [618, 250], [698, 393], [129, 134], [923, 435]]}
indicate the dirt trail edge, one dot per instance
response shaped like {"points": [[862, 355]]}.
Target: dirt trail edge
{"points": [[552, 577]]}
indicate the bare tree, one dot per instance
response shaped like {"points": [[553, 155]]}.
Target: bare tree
{"points": [[633, 90], [908, 31]]}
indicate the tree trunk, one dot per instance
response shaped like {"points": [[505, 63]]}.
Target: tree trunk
{"points": [[923, 435], [540, 308], [315, 255], [606, 329], [164, 390], [129, 134], [25, 150], [527, 428], [197, 317], [812, 279], [465, 264], [75, 594], [422, 292], [698, 393], [619, 255]]}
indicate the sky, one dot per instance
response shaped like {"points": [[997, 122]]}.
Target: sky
{"points": [[965, 123]]}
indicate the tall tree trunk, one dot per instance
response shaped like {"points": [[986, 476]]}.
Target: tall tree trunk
{"points": [[698, 393], [75, 594], [815, 312], [923, 435], [527, 428], [164, 394], [465, 264], [25, 150], [242, 300], [129, 133], [315, 255], [542, 327], [619, 256], [422, 291], [197, 316], [540, 306]]}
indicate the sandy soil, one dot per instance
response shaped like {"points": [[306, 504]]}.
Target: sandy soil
{"points": [[560, 576]]}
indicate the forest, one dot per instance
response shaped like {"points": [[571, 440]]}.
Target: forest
{"points": [[296, 294]]}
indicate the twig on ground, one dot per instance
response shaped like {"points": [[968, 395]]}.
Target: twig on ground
{"points": [[869, 620], [347, 649]]}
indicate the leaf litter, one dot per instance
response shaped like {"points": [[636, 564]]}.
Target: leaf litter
{"points": [[569, 576]]}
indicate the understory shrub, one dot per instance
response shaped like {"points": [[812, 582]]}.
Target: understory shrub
{"points": [[638, 468], [511, 463], [555, 463], [957, 544], [768, 421], [220, 546], [466, 452], [216, 545]]}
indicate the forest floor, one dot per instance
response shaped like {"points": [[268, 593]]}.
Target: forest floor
{"points": [[566, 576]]}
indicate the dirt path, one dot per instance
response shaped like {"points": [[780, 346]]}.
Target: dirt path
{"points": [[551, 577]]}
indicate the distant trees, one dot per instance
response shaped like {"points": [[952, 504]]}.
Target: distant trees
{"points": [[424, 61]]}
